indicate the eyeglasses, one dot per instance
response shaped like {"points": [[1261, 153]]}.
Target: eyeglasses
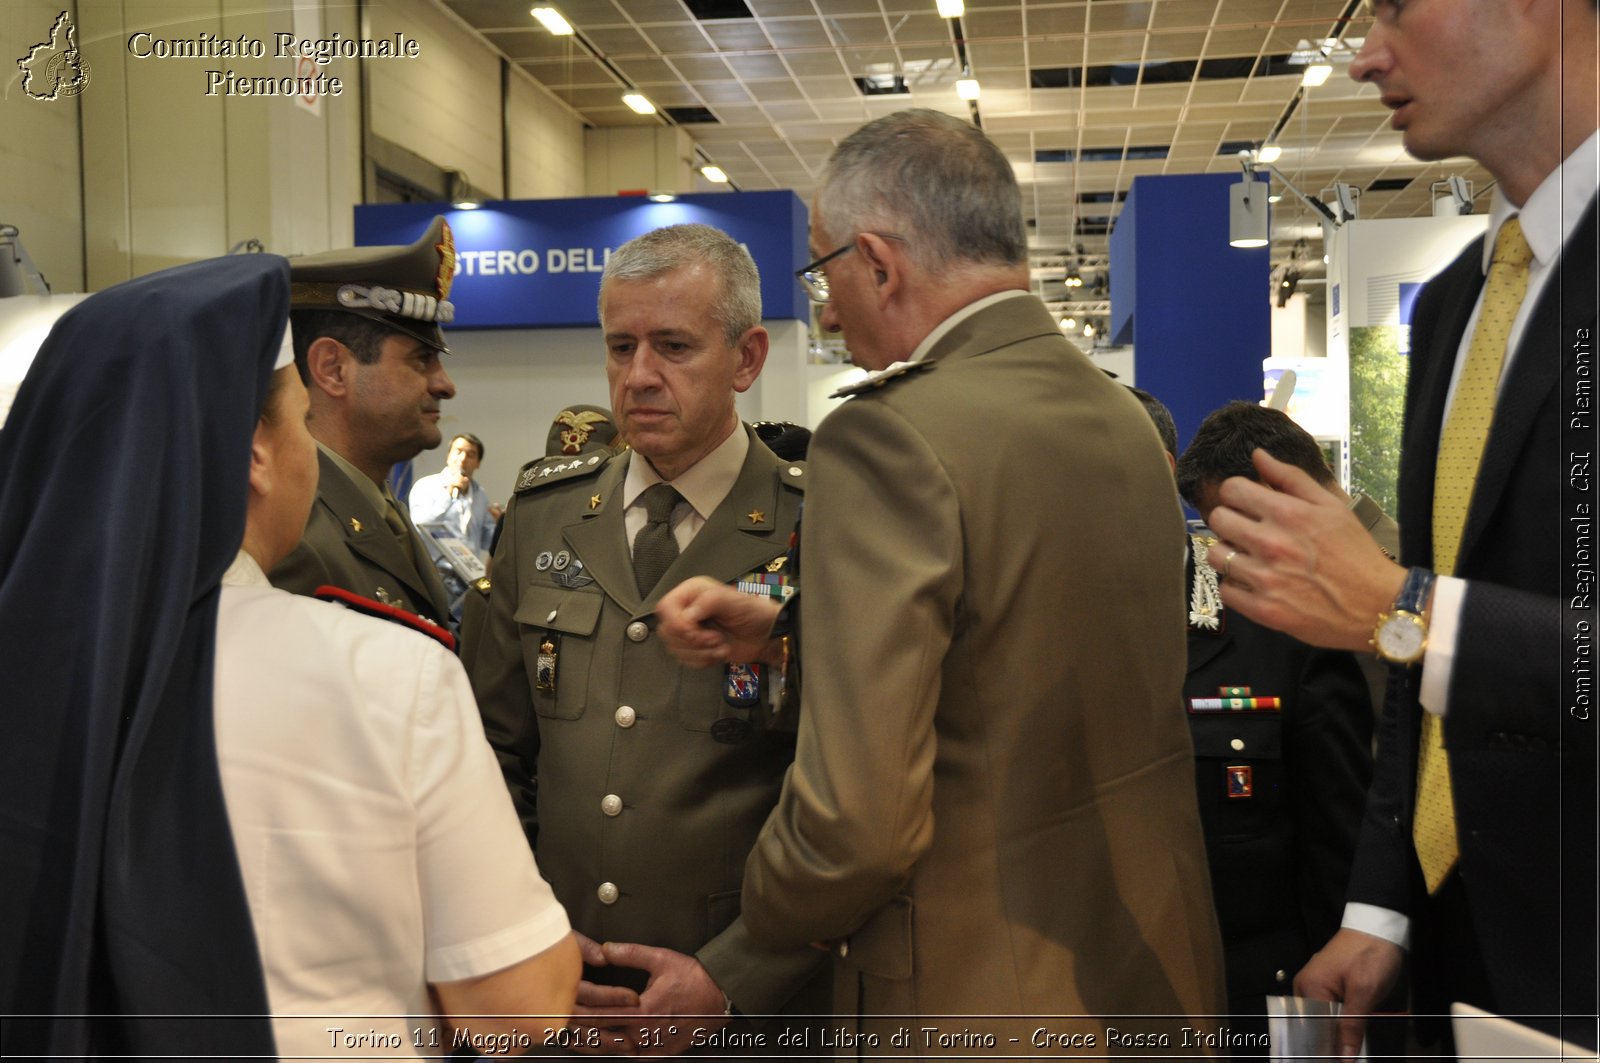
{"points": [[816, 281]]}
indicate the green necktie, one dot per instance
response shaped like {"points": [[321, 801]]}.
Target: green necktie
{"points": [[654, 548]]}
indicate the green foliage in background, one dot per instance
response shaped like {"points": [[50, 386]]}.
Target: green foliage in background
{"points": [[1377, 397]]}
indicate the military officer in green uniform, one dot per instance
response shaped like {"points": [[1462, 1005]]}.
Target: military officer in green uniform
{"points": [[368, 346], [642, 783]]}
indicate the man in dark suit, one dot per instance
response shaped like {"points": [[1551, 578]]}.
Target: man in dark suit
{"points": [[1282, 741], [1478, 848], [367, 343]]}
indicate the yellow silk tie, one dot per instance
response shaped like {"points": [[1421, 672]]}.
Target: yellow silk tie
{"points": [[1433, 827]]}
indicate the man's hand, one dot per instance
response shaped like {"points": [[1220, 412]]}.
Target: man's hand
{"points": [[703, 622], [460, 482], [1293, 557], [605, 1016], [679, 999], [1354, 968]]}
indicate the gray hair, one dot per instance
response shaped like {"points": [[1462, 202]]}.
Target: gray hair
{"points": [[738, 305], [935, 180]]}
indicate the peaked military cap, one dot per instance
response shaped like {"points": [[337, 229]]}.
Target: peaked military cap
{"points": [[405, 288], [580, 429]]}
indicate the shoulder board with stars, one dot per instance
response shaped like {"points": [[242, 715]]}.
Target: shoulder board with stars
{"points": [[881, 377], [546, 471], [356, 602]]}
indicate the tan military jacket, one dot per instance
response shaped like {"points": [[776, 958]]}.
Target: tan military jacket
{"points": [[992, 808]]}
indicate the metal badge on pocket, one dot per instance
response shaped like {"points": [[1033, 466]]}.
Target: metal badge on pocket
{"points": [[545, 673]]}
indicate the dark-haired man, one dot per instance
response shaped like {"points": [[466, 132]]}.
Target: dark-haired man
{"points": [[368, 346], [1222, 446], [1282, 743]]}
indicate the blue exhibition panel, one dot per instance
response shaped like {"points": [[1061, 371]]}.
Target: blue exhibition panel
{"points": [[1196, 310], [536, 263]]}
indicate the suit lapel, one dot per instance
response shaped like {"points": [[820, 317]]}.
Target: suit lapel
{"points": [[1427, 385], [601, 541], [1542, 356], [368, 534], [741, 533]]}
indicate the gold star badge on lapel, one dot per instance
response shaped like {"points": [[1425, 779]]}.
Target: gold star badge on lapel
{"points": [[355, 525], [594, 501], [756, 516]]}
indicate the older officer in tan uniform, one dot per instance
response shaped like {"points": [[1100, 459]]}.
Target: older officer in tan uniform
{"points": [[367, 344], [640, 783], [992, 807]]}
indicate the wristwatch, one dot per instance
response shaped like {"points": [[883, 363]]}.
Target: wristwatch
{"points": [[1402, 633]]}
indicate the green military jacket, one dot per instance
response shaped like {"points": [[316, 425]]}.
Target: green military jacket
{"points": [[641, 783]]}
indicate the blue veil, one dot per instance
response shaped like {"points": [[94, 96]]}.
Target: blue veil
{"points": [[123, 483]]}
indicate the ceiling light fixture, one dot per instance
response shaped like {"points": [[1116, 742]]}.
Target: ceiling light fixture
{"points": [[714, 174], [551, 20], [638, 104], [458, 190], [662, 197], [1247, 203], [1269, 153], [951, 8], [1316, 74], [1069, 322], [967, 88]]}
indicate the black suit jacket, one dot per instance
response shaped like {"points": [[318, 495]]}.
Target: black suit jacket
{"points": [[1280, 852], [1522, 765]]}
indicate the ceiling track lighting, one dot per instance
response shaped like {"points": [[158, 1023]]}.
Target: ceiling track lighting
{"points": [[1247, 204]]}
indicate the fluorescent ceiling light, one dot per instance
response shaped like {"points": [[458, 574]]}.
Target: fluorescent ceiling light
{"points": [[714, 174], [967, 88], [1269, 153], [951, 8], [551, 20], [1316, 74], [662, 197], [638, 104]]}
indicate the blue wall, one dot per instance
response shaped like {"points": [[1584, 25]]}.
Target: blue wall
{"points": [[535, 263], [1196, 310]]}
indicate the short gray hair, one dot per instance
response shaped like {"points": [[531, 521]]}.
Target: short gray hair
{"points": [[738, 305], [935, 180]]}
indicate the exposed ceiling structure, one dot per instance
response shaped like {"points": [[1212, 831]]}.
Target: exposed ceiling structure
{"points": [[1082, 96]]}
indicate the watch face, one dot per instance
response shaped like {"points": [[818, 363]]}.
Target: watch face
{"points": [[1401, 637]]}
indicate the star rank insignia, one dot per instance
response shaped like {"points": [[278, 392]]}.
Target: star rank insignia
{"points": [[594, 501], [755, 516], [355, 525]]}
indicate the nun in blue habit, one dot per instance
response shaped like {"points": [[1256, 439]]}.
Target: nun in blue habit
{"points": [[123, 485]]}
